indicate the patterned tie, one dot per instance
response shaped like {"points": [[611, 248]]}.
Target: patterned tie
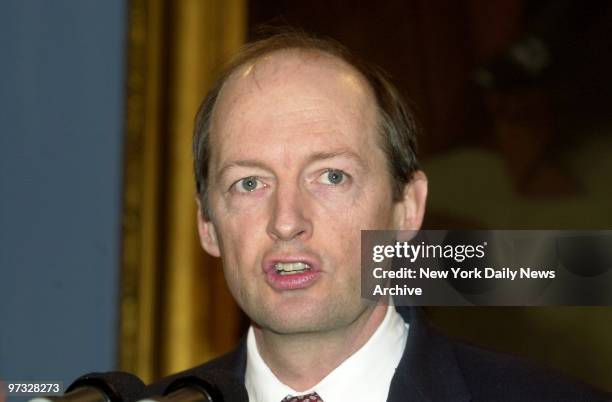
{"points": [[314, 397]]}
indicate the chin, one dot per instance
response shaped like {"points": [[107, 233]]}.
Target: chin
{"points": [[301, 326], [316, 317]]}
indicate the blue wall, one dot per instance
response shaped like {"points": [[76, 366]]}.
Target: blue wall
{"points": [[61, 118]]}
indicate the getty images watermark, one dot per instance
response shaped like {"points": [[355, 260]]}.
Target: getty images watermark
{"points": [[488, 267]]}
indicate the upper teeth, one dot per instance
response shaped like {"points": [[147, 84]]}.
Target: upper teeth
{"points": [[290, 266]]}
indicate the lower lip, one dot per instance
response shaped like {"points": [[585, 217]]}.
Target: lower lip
{"points": [[300, 280]]}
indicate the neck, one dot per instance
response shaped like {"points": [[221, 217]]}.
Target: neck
{"points": [[302, 360]]}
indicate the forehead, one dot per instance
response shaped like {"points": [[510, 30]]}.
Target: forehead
{"points": [[293, 96], [288, 69]]}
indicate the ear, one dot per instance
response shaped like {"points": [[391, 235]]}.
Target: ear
{"points": [[410, 210], [207, 232]]}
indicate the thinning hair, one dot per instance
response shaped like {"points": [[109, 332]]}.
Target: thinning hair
{"points": [[396, 122]]}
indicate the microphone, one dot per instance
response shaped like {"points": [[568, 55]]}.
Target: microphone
{"points": [[203, 386], [114, 386]]}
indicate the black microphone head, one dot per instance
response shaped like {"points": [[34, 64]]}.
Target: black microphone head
{"points": [[221, 385], [118, 386]]}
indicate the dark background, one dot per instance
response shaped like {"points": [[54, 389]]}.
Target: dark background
{"points": [[527, 153]]}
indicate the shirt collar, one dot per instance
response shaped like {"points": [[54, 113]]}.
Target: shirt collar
{"points": [[364, 376]]}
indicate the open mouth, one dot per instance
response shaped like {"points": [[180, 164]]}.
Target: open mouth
{"points": [[291, 268]]}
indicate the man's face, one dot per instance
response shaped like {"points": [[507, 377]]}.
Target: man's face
{"points": [[296, 171]]}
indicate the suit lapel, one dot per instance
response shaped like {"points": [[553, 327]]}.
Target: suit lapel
{"points": [[428, 371], [234, 362]]}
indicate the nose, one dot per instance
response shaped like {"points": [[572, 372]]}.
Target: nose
{"points": [[289, 219]]}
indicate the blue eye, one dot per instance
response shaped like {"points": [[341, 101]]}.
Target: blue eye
{"points": [[333, 177], [247, 184]]}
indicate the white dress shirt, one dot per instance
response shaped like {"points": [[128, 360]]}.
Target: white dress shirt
{"points": [[364, 377]]}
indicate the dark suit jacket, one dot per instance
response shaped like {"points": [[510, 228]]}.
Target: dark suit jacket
{"points": [[436, 368]]}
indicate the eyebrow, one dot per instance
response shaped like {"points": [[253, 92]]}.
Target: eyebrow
{"points": [[243, 163], [315, 157], [341, 153]]}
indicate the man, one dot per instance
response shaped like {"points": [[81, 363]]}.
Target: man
{"points": [[297, 149]]}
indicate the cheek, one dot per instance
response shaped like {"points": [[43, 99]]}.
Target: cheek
{"points": [[338, 230], [239, 253], [242, 237], [350, 213]]}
